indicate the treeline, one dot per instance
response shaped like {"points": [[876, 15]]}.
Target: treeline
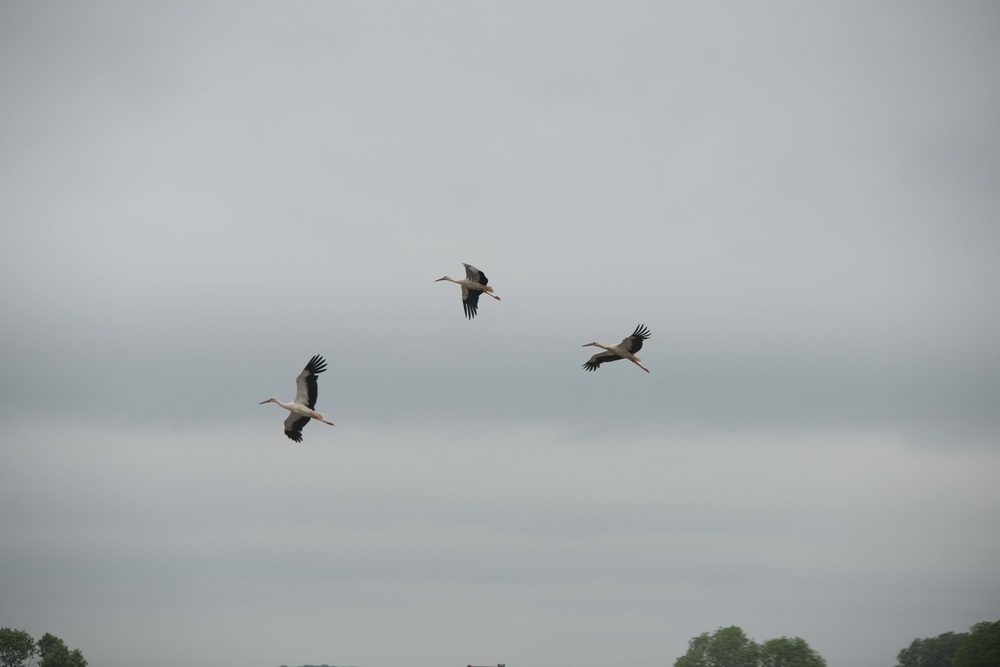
{"points": [[730, 647], [17, 647], [979, 647], [726, 647]]}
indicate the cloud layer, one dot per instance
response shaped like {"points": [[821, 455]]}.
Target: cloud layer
{"points": [[799, 202]]}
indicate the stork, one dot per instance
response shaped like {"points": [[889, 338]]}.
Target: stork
{"points": [[473, 284], [623, 350], [301, 408]]}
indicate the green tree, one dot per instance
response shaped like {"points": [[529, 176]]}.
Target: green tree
{"points": [[55, 653], [16, 647], [730, 647], [726, 647], [931, 651], [981, 648], [789, 652]]}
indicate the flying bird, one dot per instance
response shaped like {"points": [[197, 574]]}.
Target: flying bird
{"points": [[623, 350], [473, 284], [305, 400]]}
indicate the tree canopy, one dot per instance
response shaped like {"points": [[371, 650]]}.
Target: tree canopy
{"points": [[789, 652], [55, 653], [730, 647], [981, 647], [16, 647], [931, 651]]}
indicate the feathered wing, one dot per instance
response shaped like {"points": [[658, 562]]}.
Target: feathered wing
{"points": [[470, 301], [475, 275], [634, 342], [294, 425], [306, 387], [599, 358]]}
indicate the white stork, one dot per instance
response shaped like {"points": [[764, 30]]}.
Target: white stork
{"points": [[623, 350], [305, 400], [473, 284]]}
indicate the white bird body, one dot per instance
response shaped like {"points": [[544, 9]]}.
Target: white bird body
{"points": [[302, 408], [473, 284], [296, 409], [623, 350]]}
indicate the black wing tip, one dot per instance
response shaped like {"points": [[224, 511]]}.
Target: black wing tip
{"points": [[316, 365], [471, 304], [590, 367], [472, 273], [642, 332], [295, 436]]}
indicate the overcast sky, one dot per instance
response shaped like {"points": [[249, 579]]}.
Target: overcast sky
{"points": [[801, 202]]}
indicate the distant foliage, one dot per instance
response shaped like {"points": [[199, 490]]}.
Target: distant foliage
{"points": [[16, 647], [730, 647], [789, 652], [981, 647], [55, 653], [931, 651]]}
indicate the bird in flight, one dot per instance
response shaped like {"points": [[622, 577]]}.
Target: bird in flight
{"points": [[473, 284], [301, 408], [623, 350]]}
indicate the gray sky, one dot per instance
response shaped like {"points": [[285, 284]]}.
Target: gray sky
{"points": [[802, 202]]}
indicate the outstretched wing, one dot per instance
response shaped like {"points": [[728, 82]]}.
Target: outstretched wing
{"points": [[470, 301], [306, 388], [634, 342], [599, 359], [475, 275], [294, 425]]}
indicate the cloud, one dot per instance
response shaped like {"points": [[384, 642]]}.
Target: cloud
{"points": [[794, 200]]}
